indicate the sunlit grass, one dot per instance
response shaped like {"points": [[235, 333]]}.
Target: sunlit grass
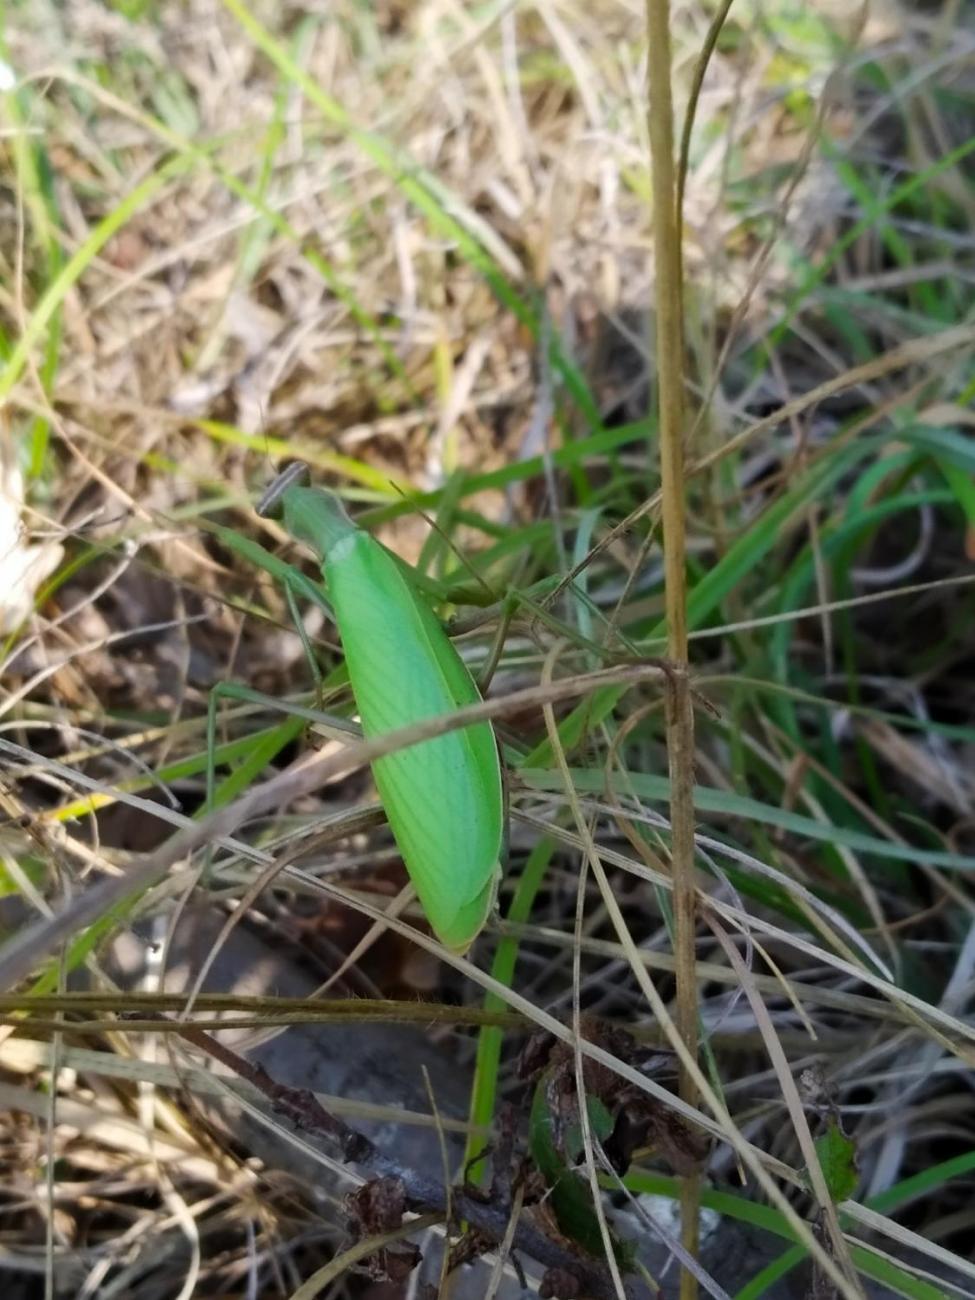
{"points": [[414, 252]]}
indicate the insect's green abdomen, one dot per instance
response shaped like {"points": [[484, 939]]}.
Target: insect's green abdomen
{"points": [[443, 797]]}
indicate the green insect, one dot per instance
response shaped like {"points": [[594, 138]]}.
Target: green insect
{"points": [[443, 798]]}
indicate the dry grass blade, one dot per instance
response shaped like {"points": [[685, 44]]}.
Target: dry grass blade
{"points": [[794, 1106], [347, 1259], [577, 1035], [668, 279], [411, 243], [915, 352], [19, 956]]}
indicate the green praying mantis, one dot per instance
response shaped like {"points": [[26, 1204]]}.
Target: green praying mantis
{"points": [[444, 799]]}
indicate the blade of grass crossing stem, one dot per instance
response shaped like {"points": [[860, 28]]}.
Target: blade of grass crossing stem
{"points": [[262, 751], [81, 947], [740, 560], [726, 803], [372, 1244], [927, 1180], [766, 1219], [180, 770], [667, 270], [489, 1040]]}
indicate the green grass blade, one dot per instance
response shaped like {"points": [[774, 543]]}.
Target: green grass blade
{"points": [[739, 562], [728, 804], [74, 268], [878, 207], [490, 1037]]}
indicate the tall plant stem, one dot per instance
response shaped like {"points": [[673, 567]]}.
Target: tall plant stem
{"points": [[680, 716]]}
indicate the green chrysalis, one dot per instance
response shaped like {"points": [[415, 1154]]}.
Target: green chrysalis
{"points": [[443, 798]]}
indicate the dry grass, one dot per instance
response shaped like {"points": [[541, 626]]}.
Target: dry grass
{"points": [[353, 247]]}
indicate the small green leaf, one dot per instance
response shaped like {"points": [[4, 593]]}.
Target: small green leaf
{"points": [[571, 1197], [601, 1125], [838, 1161]]}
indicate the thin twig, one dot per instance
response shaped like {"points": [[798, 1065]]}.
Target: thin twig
{"points": [[680, 713]]}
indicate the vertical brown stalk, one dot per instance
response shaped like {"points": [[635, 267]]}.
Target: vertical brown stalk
{"points": [[670, 405]]}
